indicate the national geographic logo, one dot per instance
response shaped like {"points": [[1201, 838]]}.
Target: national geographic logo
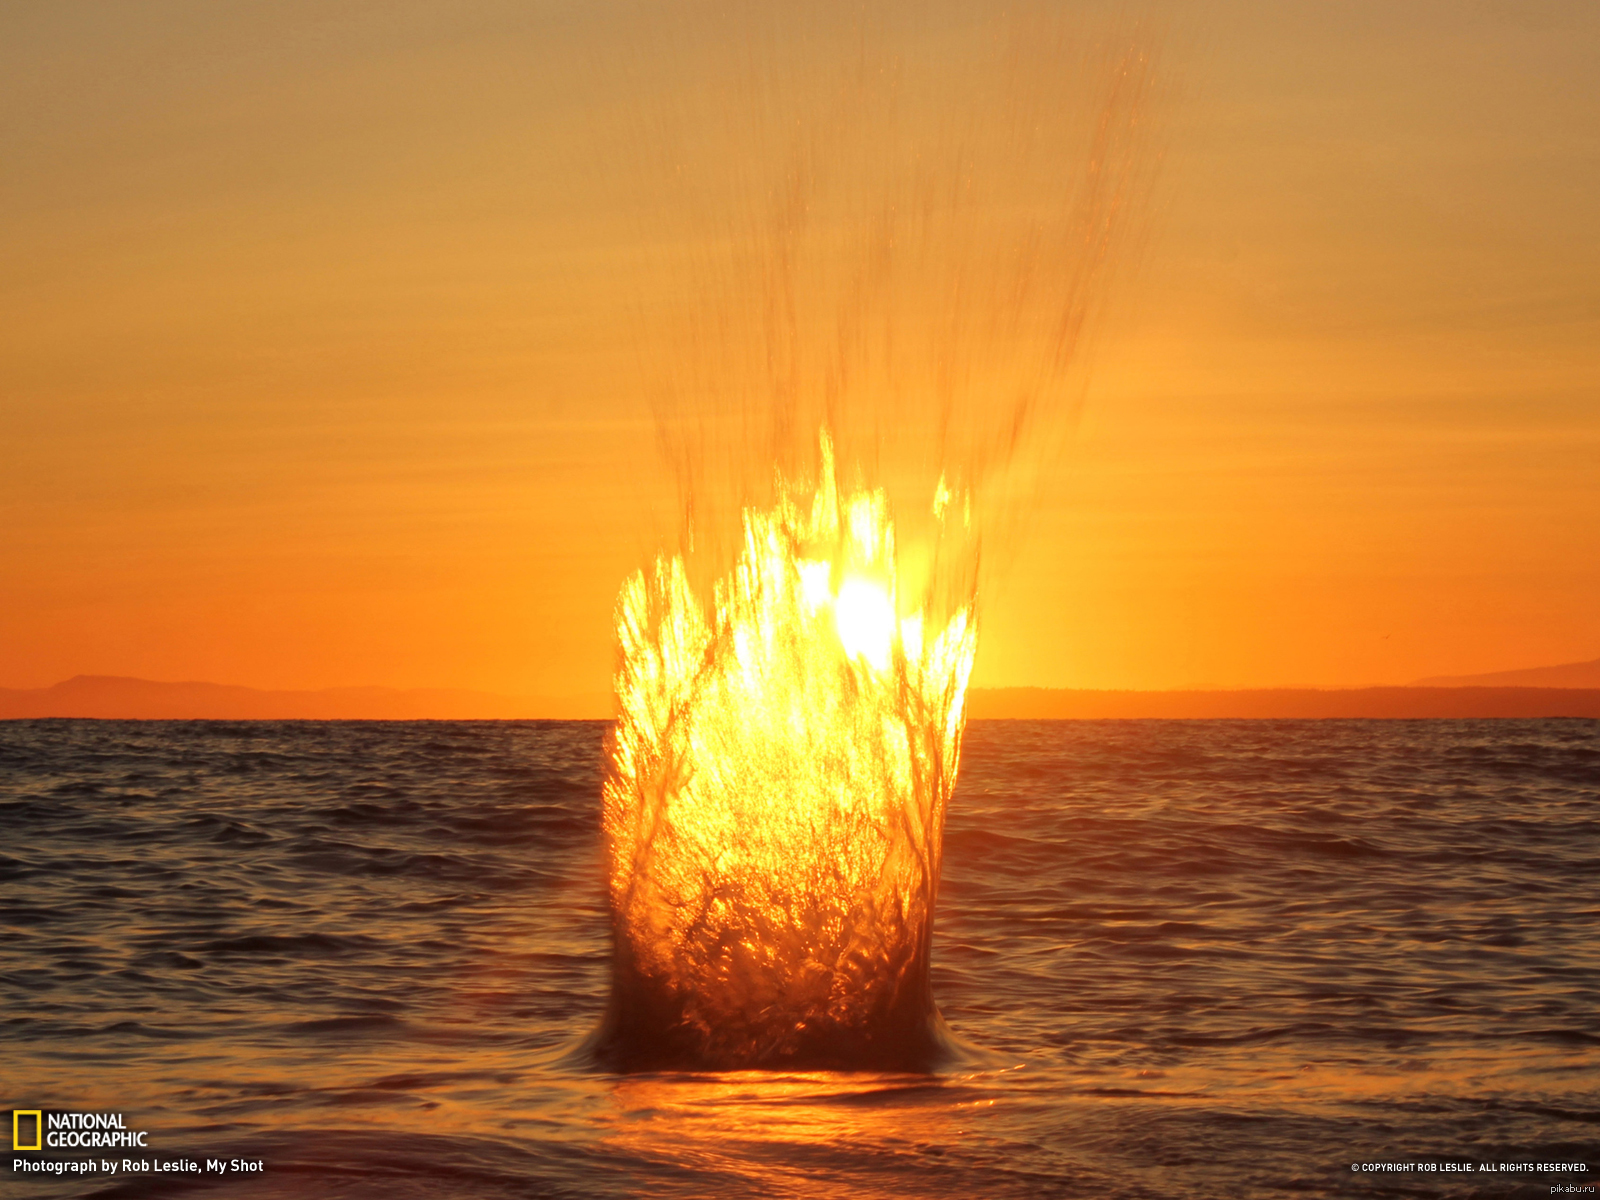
{"points": [[54, 1142], [47, 1129]]}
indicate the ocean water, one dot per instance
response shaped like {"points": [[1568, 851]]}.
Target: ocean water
{"points": [[1194, 959]]}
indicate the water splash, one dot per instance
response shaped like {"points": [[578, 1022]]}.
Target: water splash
{"points": [[775, 798]]}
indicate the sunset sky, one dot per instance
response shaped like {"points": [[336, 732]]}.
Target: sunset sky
{"points": [[322, 360]]}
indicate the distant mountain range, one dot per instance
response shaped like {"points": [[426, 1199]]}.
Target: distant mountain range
{"points": [[1568, 675], [118, 697], [1299, 703], [115, 696]]}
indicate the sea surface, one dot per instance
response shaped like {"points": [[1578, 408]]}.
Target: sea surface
{"points": [[1205, 959]]}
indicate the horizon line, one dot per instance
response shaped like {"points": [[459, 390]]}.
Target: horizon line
{"points": [[126, 697]]}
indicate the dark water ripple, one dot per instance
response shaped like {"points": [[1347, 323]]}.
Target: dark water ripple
{"points": [[1208, 959]]}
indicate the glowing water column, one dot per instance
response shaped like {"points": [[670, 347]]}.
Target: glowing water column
{"points": [[775, 800]]}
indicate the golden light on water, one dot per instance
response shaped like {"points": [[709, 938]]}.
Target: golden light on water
{"points": [[773, 811]]}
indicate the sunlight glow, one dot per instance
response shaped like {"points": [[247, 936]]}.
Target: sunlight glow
{"points": [[864, 614]]}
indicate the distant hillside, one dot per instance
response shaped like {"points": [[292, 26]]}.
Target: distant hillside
{"points": [[111, 696], [1403, 702], [1569, 675]]}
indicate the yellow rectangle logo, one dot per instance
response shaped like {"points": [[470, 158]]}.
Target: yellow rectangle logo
{"points": [[38, 1127]]}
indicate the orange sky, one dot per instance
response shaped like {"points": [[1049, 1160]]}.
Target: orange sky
{"points": [[322, 361]]}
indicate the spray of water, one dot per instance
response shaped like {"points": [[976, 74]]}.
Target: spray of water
{"points": [[914, 247]]}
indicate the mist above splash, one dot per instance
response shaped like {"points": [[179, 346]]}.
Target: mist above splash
{"points": [[895, 225]]}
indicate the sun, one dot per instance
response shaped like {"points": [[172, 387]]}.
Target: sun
{"points": [[864, 615]]}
